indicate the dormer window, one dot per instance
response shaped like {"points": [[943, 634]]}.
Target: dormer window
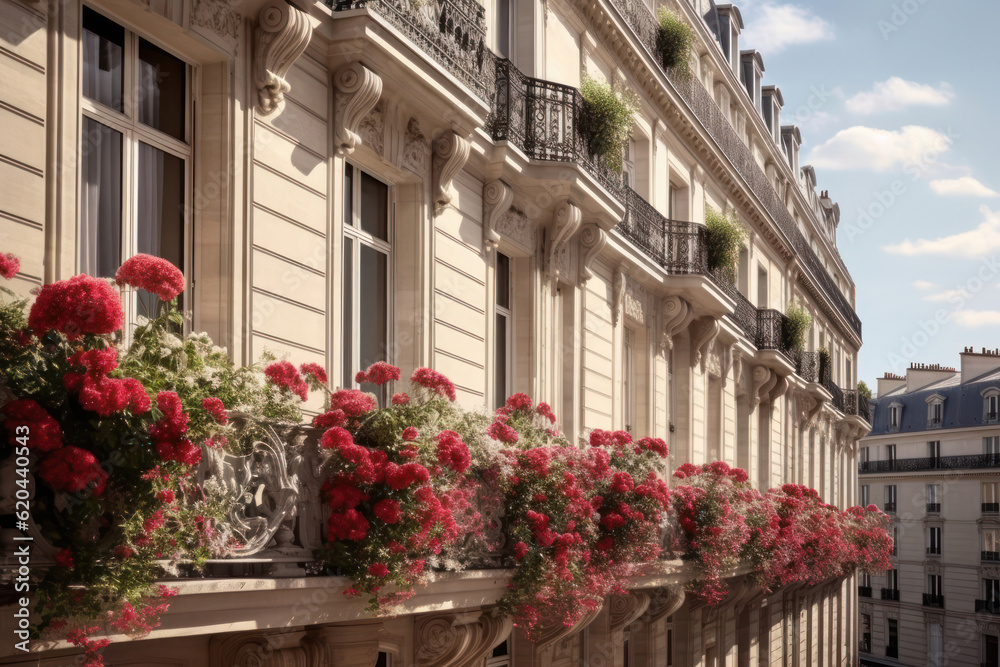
{"points": [[895, 416], [771, 110], [991, 403], [752, 71], [935, 411]]}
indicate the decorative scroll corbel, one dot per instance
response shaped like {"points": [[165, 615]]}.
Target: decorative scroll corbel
{"points": [[624, 609], [451, 152], [703, 343], [247, 649], [761, 377], [664, 602], [497, 200], [565, 223], [738, 371], [283, 33], [457, 639], [617, 297], [677, 315], [780, 388], [727, 363], [358, 89], [557, 632], [592, 239]]}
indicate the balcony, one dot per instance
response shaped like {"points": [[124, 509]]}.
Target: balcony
{"points": [[865, 591], [891, 594], [931, 600], [700, 102], [988, 607], [807, 365], [989, 556], [932, 463], [933, 551], [991, 508], [890, 508], [677, 246], [933, 508], [857, 405]]}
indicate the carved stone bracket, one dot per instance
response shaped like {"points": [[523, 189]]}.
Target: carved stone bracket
{"points": [[283, 33], [624, 609], [664, 602], [451, 152], [763, 380], [617, 296], [676, 314], [592, 240], [460, 638], [497, 200], [358, 90], [565, 223], [727, 362], [257, 649], [779, 389], [738, 372], [554, 633], [703, 341], [342, 645]]}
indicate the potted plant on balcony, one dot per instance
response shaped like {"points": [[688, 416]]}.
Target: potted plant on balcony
{"points": [[797, 323], [673, 42], [724, 235], [824, 364], [606, 120]]}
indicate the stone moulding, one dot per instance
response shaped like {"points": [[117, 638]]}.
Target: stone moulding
{"points": [[358, 90], [282, 34], [592, 241], [457, 639]]}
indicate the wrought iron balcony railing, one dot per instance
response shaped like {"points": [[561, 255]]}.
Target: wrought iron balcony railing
{"points": [[677, 246], [933, 463], [988, 606], [933, 508], [857, 404], [931, 600], [989, 556], [890, 594], [991, 508], [452, 32], [638, 16], [807, 365], [545, 120], [934, 551], [865, 591], [890, 507], [770, 330]]}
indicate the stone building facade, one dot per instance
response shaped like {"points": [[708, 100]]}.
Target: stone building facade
{"points": [[409, 181]]}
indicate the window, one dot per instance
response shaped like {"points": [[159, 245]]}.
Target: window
{"points": [[628, 163], [934, 451], [503, 31], [991, 448], [866, 580], [135, 157], [894, 417], [991, 545], [991, 590], [934, 414], [890, 498], [865, 495], [865, 645], [890, 454], [628, 380], [934, 584], [864, 455], [990, 400], [935, 648], [503, 357], [934, 540], [367, 265], [384, 659], [500, 656], [895, 539], [892, 638], [991, 497], [892, 580], [991, 651], [933, 493], [762, 287]]}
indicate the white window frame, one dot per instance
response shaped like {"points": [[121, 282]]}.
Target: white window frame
{"points": [[990, 493], [890, 495], [990, 539], [865, 495], [508, 315], [934, 536], [353, 230], [133, 132], [991, 405]]}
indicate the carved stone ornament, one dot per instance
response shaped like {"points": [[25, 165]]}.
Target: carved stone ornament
{"points": [[624, 609], [357, 91], [636, 300], [282, 34], [257, 649], [219, 16], [663, 602], [677, 315], [763, 379], [451, 152], [703, 341], [592, 241], [557, 632], [565, 223], [779, 389], [355, 645], [457, 639], [497, 200], [414, 148], [617, 296], [371, 130], [738, 371], [515, 227]]}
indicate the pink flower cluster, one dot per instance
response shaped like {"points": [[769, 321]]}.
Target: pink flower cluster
{"points": [[434, 382], [284, 375], [378, 373], [168, 432], [153, 274], [77, 306], [99, 393], [216, 408], [9, 265]]}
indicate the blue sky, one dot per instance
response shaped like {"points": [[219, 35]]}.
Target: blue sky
{"points": [[897, 105]]}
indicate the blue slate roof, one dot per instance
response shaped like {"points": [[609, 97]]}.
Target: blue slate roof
{"points": [[963, 404]]}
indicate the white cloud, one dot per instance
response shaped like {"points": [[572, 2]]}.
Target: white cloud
{"points": [[947, 295], [976, 318], [861, 147], [923, 285], [814, 121], [979, 242], [775, 27], [895, 93], [966, 186]]}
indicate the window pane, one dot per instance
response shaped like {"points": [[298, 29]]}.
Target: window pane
{"points": [[374, 312], [103, 44], [500, 381], [348, 194], [160, 212], [161, 90], [374, 207], [503, 280], [348, 331], [100, 199]]}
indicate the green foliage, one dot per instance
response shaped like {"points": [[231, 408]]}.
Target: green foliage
{"points": [[607, 119], [863, 390], [674, 42], [797, 323], [824, 363], [724, 236]]}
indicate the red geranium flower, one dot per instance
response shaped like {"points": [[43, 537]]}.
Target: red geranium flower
{"points": [[43, 431], [216, 408], [378, 570], [9, 265], [378, 373], [77, 306], [284, 375], [434, 381], [72, 469], [400, 399], [353, 402], [315, 373], [153, 274], [388, 510]]}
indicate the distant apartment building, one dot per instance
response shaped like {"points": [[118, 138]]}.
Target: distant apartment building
{"points": [[932, 462]]}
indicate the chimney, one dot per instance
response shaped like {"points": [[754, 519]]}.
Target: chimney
{"points": [[919, 376], [975, 364], [889, 382]]}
